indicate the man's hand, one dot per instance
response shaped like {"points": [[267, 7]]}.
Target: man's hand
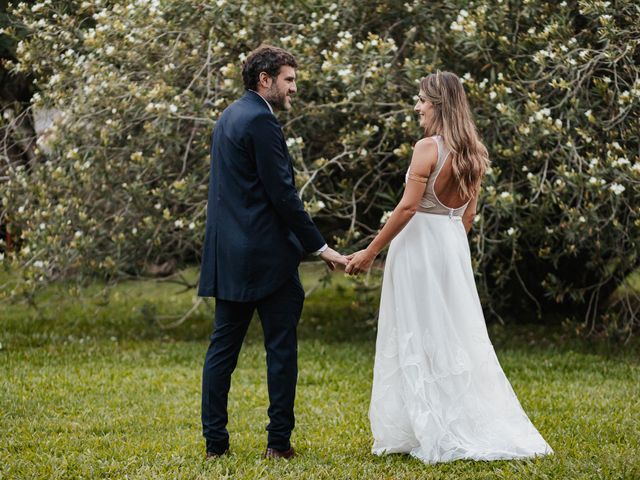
{"points": [[333, 258], [359, 262]]}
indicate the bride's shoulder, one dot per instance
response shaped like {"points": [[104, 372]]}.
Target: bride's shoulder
{"points": [[426, 148], [426, 144], [425, 155]]}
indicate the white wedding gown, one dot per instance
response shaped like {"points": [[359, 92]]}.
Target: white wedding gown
{"points": [[439, 392]]}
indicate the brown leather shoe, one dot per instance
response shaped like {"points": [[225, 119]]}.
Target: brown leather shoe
{"points": [[273, 453], [214, 455]]}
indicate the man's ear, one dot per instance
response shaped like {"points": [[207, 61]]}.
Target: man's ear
{"points": [[265, 80]]}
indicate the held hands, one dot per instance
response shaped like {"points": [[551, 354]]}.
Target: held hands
{"points": [[359, 262], [333, 258]]}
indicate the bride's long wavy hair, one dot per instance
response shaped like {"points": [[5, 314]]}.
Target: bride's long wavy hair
{"points": [[452, 119]]}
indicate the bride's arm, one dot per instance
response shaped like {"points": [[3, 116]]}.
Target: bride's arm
{"points": [[470, 213], [424, 159]]}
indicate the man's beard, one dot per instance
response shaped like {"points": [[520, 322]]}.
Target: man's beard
{"points": [[278, 100]]}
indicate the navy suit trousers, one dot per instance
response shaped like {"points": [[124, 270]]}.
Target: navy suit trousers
{"points": [[279, 315]]}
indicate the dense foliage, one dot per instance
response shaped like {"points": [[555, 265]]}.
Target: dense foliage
{"points": [[119, 183]]}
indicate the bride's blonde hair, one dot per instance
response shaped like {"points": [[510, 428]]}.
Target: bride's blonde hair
{"points": [[452, 119]]}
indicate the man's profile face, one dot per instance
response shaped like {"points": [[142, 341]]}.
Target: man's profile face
{"points": [[281, 89]]}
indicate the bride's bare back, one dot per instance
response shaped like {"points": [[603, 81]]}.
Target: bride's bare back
{"points": [[446, 187]]}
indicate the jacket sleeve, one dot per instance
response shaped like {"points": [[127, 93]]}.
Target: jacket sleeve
{"points": [[276, 174]]}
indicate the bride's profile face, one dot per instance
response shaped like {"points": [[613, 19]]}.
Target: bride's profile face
{"points": [[424, 109]]}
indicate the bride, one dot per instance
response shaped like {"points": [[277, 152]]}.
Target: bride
{"points": [[439, 392]]}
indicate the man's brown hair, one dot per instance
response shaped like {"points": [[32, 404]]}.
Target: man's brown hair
{"points": [[268, 59]]}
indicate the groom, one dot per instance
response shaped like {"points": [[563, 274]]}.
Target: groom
{"points": [[257, 232]]}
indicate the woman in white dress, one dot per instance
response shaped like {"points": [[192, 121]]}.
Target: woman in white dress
{"points": [[439, 392]]}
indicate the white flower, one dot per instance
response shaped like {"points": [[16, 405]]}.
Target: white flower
{"points": [[320, 204], [38, 264], [1, 256], [624, 97], [593, 180], [505, 195], [492, 95], [192, 226], [511, 231], [173, 108], [617, 188], [78, 234], [385, 217], [178, 223], [345, 72], [42, 226]]}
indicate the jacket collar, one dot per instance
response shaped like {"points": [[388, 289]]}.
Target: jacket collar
{"points": [[257, 99]]}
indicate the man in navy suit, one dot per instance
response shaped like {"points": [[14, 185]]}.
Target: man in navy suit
{"points": [[257, 232]]}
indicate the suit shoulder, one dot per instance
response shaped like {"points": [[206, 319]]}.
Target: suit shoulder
{"points": [[263, 120]]}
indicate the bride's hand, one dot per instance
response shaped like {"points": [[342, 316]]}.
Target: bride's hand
{"points": [[359, 262]]}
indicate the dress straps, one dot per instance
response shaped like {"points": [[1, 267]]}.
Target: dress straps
{"points": [[430, 202]]}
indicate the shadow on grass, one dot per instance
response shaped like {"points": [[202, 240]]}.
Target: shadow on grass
{"points": [[336, 311]]}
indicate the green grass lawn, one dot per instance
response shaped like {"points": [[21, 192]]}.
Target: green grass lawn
{"points": [[88, 391]]}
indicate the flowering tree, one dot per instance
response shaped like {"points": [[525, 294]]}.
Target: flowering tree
{"points": [[119, 183]]}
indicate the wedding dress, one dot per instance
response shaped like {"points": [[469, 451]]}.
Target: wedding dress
{"points": [[439, 392]]}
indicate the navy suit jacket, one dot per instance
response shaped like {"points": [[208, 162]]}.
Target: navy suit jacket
{"points": [[257, 229]]}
